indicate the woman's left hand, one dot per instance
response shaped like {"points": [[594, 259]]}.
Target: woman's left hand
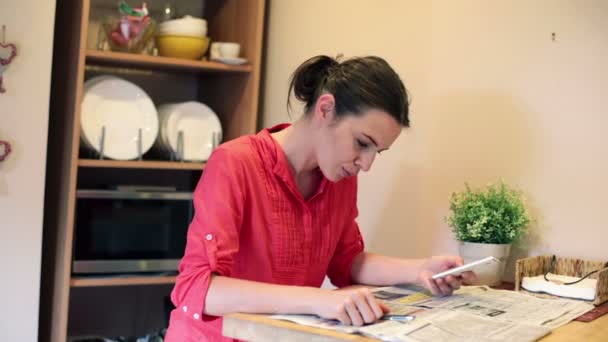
{"points": [[442, 286]]}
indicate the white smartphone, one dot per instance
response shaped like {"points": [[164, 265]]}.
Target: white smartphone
{"points": [[466, 267]]}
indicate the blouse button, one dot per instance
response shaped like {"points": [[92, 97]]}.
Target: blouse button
{"points": [[209, 237], [185, 308], [196, 316]]}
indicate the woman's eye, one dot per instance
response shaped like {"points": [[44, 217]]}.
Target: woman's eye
{"points": [[362, 144]]}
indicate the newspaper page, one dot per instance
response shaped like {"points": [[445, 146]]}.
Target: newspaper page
{"points": [[510, 306], [473, 313], [397, 298], [453, 326], [317, 322]]}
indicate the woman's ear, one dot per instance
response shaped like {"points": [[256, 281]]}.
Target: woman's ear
{"points": [[325, 107]]}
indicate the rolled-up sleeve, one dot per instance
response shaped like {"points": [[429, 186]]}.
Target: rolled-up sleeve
{"points": [[349, 245], [213, 235]]}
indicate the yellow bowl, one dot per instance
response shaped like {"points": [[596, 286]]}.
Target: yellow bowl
{"points": [[182, 46]]}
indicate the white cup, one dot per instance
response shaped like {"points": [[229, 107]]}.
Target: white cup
{"points": [[224, 50]]}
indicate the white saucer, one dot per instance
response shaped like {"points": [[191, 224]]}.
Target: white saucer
{"points": [[230, 60]]}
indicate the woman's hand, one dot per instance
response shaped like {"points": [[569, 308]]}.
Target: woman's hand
{"points": [[442, 286], [350, 306]]}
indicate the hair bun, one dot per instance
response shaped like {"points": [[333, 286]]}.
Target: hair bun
{"points": [[357, 84], [306, 81]]}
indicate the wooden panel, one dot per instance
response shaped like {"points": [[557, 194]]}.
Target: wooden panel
{"points": [[66, 90], [594, 331], [140, 164], [232, 91], [127, 311], [261, 328], [250, 327], [236, 98], [255, 328], [110, 178], [122, 281], [161, 63], [238, 21]]}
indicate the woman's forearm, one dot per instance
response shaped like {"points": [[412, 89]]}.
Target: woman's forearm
{"points": [[380, 270], [228, 295]]}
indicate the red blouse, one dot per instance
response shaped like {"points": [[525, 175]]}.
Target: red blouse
{"points": [[252, 223]]}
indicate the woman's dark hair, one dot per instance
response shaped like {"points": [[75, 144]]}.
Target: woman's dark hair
{"points": [[357, 84]]}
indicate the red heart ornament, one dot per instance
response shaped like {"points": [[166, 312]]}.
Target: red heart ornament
{"points": [[7, 54], [5, 149]]}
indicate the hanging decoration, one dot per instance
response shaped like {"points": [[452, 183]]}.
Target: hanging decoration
{"points": [[7, 53], [5, 149]]}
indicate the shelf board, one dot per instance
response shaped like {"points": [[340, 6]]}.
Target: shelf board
{"points": [[158, 62], [121, 281], [140, 164]]}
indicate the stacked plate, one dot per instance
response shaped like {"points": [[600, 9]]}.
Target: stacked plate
{"points": [[117, 118], [188, 131]]}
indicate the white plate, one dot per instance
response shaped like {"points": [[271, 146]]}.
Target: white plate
{"points": [[83, 139], [197, 122], [228, 60], [123, 108]]}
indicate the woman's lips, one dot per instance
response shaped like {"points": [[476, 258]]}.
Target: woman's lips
{"points": [[345, 172]]}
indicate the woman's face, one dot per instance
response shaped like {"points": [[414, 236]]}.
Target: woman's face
{"points": [[350, 143]]}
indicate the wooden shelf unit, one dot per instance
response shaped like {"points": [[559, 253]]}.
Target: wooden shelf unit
{"points": [[140, 164], [232, 91], [121, 281], [161, 63]]}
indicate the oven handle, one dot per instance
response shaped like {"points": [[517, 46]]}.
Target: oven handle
{"points": [[139, 195]]}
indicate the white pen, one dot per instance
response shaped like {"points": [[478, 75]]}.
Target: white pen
{"points": [[398, 318]]}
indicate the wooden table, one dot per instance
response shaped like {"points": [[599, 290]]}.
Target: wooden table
{"points": [[250, 327]]}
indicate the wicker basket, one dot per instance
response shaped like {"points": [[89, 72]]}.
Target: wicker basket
{"points": [[534, 266]]}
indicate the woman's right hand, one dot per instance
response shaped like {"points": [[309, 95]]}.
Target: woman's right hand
{"points": [[350, 306]]}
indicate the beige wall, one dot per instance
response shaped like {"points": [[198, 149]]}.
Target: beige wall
{"points": [[493, 97], [24, 113]]}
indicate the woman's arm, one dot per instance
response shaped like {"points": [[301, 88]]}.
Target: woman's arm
{"points": [[381, 270], [227, 295], [375, 269]]}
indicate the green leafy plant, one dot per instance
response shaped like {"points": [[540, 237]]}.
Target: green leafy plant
{"points": [[492, 214]]}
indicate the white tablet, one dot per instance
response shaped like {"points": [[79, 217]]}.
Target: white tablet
{"points": [[466, 267]]}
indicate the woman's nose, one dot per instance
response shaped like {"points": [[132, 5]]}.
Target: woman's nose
{"points": [[365, 160]]}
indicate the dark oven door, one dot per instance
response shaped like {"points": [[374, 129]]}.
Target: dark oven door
{"points": [[130, 231]]}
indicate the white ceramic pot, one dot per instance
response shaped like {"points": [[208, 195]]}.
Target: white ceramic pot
{"points": [[490, 274]]}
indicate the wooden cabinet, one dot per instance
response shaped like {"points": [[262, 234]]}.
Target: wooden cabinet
{"points": [[232, 91]]}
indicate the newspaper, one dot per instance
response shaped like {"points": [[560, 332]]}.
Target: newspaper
{"points": [[397, 298], [473, 313], [446, 325], [511, 306]]}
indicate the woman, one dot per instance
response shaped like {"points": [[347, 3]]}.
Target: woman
{"points": [[275, 211]]}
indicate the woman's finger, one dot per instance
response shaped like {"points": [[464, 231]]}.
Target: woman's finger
{"points": [[468, 277], [344, 318], [366, 312], [374, 304], [353, 313], [430, 284], [453, 282], [443, 287], [385, 308]]}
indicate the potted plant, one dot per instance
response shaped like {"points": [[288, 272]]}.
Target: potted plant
{"points": [[486, 221]]}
